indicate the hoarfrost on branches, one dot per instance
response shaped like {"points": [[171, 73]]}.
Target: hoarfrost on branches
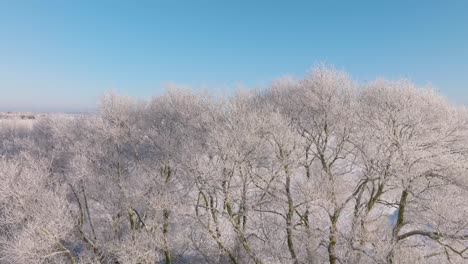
{"points": [[317, 170]]}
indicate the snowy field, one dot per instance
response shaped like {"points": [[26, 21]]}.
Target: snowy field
{"points": [[18, 121]]}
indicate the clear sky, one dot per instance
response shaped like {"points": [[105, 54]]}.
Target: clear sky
{"points": [[62, 55]]}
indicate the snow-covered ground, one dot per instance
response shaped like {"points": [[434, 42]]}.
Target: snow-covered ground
{"points": [[16, 123], [19, 120]]}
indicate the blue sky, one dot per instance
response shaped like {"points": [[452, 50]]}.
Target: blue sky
{"points": [[63, 55]]}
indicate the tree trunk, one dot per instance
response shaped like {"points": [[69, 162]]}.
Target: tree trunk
{"points": [[289, 217], [332, 238]]}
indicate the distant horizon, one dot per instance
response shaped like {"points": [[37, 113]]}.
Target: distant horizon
{"points": [[47, 110], [94, 108]]}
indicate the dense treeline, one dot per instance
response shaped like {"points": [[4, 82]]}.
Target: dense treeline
{"points": [[317, 170]]}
